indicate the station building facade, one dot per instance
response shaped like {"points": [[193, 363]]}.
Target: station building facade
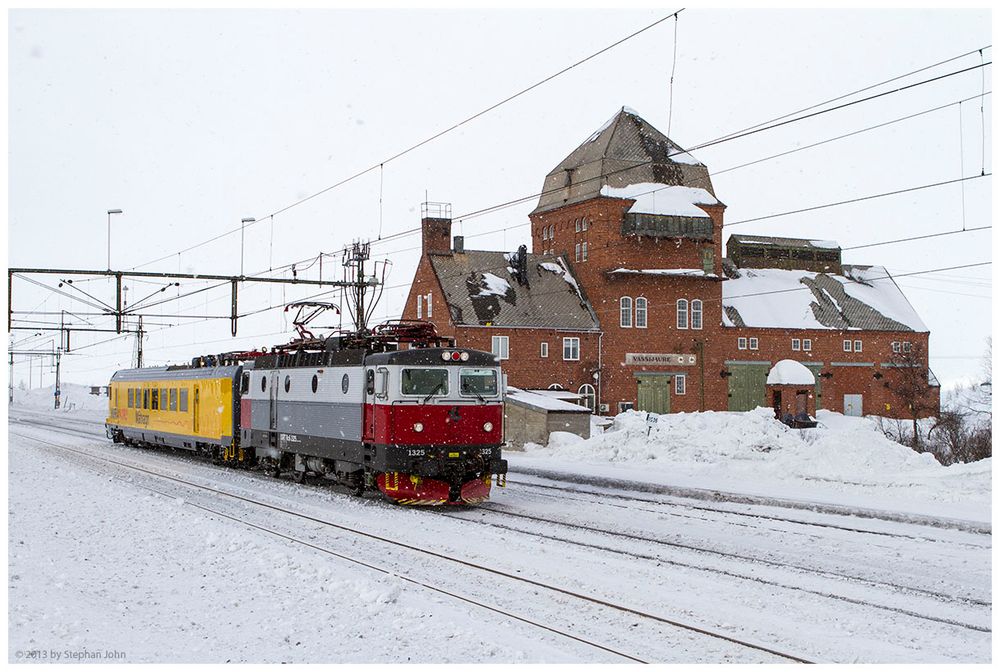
{"points": [[626, 295]]}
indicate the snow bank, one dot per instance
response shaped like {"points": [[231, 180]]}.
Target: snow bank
{"points": [[653, 198], [494, 285], [754, 453], [73, 398]]}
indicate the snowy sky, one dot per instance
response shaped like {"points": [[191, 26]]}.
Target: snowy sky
{"points": [[190, 120]]}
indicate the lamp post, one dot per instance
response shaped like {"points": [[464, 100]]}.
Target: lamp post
{"points": [[115, 211], [244, 222]]}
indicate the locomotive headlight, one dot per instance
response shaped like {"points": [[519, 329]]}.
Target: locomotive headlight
{"points": [[488, 427], [465, 356], [419, 427], [446, 355]]}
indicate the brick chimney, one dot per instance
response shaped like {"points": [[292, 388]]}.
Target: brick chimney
{"points": [[435, 227]]}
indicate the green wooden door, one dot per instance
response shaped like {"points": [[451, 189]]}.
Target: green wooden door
{"points": [[653, 393], [747, 385], [818, 392]]}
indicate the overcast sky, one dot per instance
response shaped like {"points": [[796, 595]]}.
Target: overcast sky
{"points": [[191, 120]]}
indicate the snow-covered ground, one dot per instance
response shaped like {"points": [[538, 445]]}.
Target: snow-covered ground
{"points": [[106, 558], [845, 461]]}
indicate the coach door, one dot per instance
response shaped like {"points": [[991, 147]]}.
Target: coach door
{"points": [[272, 415], [197, 411]]}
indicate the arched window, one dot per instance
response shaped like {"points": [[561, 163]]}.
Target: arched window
{"points": [[589, 396], [626, 312], [696, 314], [682, 314], [556, 386], [640, 312]]}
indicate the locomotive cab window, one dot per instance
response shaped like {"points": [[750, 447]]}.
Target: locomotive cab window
{"points": [[428, 382], [478, 382], [245, 383]]}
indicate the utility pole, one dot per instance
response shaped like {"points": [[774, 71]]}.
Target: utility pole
{"points": [[10, 389], [58, 358], [138, 345]]}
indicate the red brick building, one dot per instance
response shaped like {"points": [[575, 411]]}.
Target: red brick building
{"points": [[628, 298]]}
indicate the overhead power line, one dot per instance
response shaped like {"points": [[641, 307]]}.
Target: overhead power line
{"points": [[381, 164]]}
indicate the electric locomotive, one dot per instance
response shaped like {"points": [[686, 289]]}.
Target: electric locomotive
{"points": [[423, 425]]}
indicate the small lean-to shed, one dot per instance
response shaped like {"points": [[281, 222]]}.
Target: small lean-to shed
{"points": [[530, 417], [790, 388]]}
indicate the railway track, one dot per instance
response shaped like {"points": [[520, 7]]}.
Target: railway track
{"points": [[943, 597], [562, 593], [598, 498], [700, 507]]}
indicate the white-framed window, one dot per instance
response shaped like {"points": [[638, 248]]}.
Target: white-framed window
{"points": [[625, 317], [753, 343], [545, 233], [544, 351], [857, 346], [680, 384], [907, 346], [584, 224], [847, 345], [576, 223], [895, 346], [625, 406], [501, 347], [430, 305], [571, 348], [807, 344], [640, 312], [796, 344], [589, 396], [420, 306], [577, 251], [741, 342], [556, 386], [583, 251], [682, 314], [696, 314]]}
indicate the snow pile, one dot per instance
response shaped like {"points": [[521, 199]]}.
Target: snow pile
{"points": [[72, 398], [543, 401], [561, 270], [494, 285], [653, 198], [753, 452], [790, 372]]}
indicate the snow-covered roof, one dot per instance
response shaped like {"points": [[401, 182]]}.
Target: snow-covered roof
{"points": [[565, 395], [864, 297], [625, 150], [670, 272], [782, 241], [482, 288], [542, 401], [655, 198], [790, 372]]}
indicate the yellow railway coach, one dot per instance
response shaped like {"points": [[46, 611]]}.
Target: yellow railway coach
{"points": [[196, 409]]}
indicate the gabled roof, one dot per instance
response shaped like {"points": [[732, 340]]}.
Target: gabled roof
{"points": [[626, 150], [864, 297], [481, 288]]}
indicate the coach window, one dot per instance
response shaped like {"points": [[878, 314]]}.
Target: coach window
{"points": [[163, 398], [184, 400], [288, 383], [425, 382], [154, 406], [173, 398], [477, 383], [131, 398], [345, 383]]}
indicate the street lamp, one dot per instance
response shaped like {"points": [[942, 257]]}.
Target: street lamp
{"points": [[244, 222], [116, 211]]}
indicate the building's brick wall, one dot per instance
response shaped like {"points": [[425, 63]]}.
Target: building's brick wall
{"points": [[707, 386]]}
